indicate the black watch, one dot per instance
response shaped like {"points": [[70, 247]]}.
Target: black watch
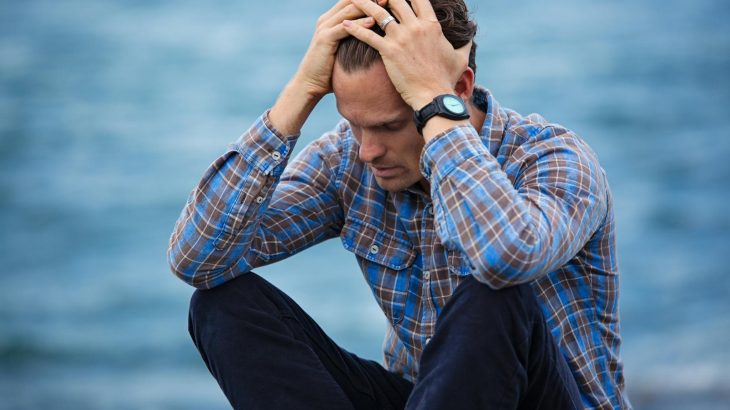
{"points": [[446, 105]]}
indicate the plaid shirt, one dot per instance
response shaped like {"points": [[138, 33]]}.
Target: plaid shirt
{"points": [[523, 201]]}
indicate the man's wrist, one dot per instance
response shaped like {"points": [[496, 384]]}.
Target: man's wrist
{"points": [[439, 113], [439, 125], [292, 108], [424, 98]]}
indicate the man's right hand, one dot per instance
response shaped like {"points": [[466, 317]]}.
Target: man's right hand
{"points": [[313, 79], [315, 69]]}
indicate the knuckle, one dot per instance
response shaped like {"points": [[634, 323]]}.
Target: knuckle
{"points": [[434, 26], [319, 40], [418, 30], [390, 49]]}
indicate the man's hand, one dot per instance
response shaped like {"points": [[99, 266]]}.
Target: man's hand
{"points": [[313, 79], [420, 62], [315, 69]]}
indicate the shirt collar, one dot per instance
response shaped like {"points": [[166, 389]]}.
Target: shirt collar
{"points": [[496, 118]]}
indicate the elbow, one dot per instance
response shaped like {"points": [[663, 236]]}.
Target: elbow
{"points": [[185, 271], [492, 281], [179, 269], [497, 279]]}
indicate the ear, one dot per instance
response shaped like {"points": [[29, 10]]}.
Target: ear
{"points": [[465, 84]]}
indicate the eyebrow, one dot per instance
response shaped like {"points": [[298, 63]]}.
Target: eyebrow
{"points": [[389, 121]]}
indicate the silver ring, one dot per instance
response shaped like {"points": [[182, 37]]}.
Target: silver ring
{"points": [[384, 22]]}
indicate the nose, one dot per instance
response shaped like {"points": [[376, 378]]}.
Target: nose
{"points": [[370, 147]]}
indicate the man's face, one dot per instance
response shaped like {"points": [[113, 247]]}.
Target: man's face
{"points": [[382, 123]]}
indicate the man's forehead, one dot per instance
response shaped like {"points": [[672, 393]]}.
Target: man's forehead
{"points": [[373, 75], [368, 97], [369, 116]]}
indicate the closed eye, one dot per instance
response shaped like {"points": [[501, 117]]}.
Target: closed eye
{"points": [[393, 126]]}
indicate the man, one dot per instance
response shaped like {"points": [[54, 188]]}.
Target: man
{"points": [[486, 237]]}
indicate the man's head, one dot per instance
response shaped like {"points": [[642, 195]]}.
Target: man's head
{"points": [[382, 123], [453, 15], [380, 120]]}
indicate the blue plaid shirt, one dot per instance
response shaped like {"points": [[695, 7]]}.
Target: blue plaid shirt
{"points": [[520, 201]]}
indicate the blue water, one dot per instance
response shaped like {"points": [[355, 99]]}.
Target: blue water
{"points": [[110, 111]]}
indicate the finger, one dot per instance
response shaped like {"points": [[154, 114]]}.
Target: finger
{"points": [[336, 8], [402, 10], [367, 36], [348, 13], [339, 32], [373, 10], [424, 10]]}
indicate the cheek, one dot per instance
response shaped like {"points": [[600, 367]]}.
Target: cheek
{"points": [[409, 151], [416, 147]]}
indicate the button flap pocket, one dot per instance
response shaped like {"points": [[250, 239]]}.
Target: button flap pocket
{"points": [[374, 245]]}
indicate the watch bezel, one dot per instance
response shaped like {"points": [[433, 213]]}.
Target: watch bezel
{"points": [[442, 100]]}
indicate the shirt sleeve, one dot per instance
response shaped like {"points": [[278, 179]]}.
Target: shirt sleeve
{"points": [[517, 221], [249, 209]]}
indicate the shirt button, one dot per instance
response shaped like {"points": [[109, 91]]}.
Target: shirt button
{"points": [[275, 155], [259, 199], [430, 209], [374, 249], [428, 339], [426, 275]]}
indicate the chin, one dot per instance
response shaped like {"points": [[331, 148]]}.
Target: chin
{"points": [[393, 184]]}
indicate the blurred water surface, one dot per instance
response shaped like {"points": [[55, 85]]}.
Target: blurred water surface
{"points": [[111, 110]]}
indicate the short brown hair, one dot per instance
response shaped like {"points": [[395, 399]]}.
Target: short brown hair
{"points": [[458, 28]]}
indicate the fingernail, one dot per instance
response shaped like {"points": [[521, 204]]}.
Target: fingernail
{"points": [[347, 23]]}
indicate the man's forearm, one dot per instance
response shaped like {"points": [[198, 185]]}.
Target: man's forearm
{"points": [[292, 108], [219, 222], [515, 231], [313, 79]]}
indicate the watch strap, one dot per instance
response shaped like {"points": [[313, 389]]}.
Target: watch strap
{"points": [[437, 107]]}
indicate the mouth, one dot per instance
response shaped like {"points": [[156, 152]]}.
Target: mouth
{"points": [[384, 172]]}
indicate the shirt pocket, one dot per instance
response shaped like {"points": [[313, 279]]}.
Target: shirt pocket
{"points": [[386, 262], [458, 263]]}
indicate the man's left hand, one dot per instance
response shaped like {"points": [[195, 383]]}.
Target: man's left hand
{"points": [[420, 61]]}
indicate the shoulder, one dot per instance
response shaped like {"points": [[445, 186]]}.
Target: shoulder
{"points": [[534, 150], [530, 135], [507, 132]]}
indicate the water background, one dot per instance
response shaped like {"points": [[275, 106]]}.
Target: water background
{"points": [[111, 110]]}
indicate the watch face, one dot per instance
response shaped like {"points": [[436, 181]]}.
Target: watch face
{"points": [[454, 105]]}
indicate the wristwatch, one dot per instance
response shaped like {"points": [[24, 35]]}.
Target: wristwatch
{"points": [[446, 105]]}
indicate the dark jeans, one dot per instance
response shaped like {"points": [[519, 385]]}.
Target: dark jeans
{"points": [[491, 350]]}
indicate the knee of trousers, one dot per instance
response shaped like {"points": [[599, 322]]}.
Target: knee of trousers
{"points": [[477, 301], [518, 299], [235, 298]]}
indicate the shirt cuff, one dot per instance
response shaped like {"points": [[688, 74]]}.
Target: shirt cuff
{"points": [[448, 150], [264, 146]]}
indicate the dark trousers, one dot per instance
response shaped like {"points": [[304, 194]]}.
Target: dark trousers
{"points": [[490, 350]]}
